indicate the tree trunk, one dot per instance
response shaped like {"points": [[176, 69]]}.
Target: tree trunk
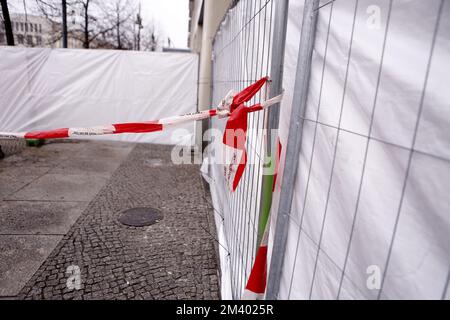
{"points": [[8, 28], [119, 44], [86, 26], [139, 23], [64, 23]]}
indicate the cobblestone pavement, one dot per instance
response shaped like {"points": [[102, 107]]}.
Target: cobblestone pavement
{"points": [[172, 259], [9, 147]]}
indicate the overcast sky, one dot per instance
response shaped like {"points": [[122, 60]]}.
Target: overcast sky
{"points": [[170, 16]]}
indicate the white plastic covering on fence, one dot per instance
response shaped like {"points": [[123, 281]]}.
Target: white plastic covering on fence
{"points": [[371, 212], [52, 88]]}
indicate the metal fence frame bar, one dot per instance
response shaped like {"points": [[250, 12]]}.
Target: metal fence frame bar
{"points": [[293, 145], [277, 65], [273, 114]]}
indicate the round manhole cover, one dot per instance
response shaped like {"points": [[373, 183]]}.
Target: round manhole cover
{"points": [[154, 162], [140, 217]]}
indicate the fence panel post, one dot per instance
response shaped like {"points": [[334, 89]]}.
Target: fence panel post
{"points": [[293, 147], [276, 74]]}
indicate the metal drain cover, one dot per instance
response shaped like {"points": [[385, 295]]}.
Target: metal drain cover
{"points": [[154, 162], [140, 217]]}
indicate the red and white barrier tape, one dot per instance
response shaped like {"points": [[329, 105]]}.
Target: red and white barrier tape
{"points": [[228, 105], [257, 280], [131, 127], [234, 138]]}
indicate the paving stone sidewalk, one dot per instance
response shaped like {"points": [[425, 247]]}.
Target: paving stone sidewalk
{"points": [[172, 259], [9, 147]]}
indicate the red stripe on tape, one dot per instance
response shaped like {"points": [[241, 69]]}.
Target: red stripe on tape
{"points": [[257, 280], [249, 92], [52, 134], [137, 127], [255, 107], [277, 165]]}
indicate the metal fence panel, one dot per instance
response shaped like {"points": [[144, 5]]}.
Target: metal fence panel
{"points": [[241, 55], [369, 216]]}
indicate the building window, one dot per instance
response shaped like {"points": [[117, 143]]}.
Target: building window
{"points": [[17, 26], [30, 40], [26, 27], [20, 38], [38, 40], [21, 26], [40, 28]]}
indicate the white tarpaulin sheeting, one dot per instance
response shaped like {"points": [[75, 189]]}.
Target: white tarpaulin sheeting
{"points": [[371, 216], [43, 89], [371, 213]]}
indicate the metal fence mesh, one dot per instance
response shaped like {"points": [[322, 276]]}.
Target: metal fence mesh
{"points": [[241, 55]]}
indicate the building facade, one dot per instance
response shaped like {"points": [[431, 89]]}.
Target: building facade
{"points": [[205, 17], [36, 31]]}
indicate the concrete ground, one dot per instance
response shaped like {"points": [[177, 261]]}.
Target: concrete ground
{"points": [[58, 213]]}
